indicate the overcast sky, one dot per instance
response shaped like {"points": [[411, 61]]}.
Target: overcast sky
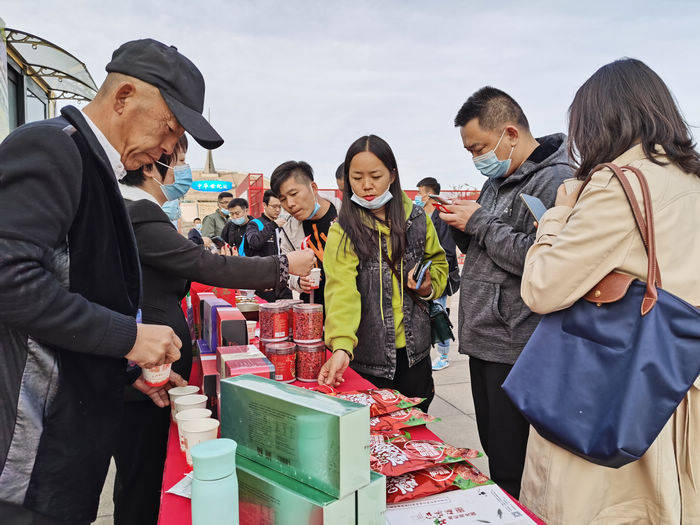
{"points": [[303, 79]]}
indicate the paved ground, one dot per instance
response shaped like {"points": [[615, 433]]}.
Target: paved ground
{"points": [[453, 404]]}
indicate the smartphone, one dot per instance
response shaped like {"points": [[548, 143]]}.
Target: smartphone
{"points": [[440, 203], [420, 271], [218, 241], [535, 205]]}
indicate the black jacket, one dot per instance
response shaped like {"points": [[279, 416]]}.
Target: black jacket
{"points": [[233, 233], [169, 262], [69, 291], [261, 242]]}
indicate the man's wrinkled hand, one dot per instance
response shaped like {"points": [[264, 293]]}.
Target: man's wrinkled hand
{"points": [[459, 213], [158, 394]]}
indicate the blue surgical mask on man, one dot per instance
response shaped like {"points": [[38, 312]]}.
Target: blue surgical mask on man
{"points": [[238, 221], [489, 165], [317, 207], [172, 209], [198, 227], [418, 201], [374, 204], [225, 211], [182, 184]]}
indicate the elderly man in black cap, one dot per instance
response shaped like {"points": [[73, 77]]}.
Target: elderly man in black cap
{"points": [[70, 281]]}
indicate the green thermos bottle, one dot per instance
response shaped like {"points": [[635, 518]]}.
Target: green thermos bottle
{"points": [[214, 483]]}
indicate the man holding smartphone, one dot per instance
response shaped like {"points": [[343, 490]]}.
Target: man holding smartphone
{"points": [[495, 234], [427, 187]]}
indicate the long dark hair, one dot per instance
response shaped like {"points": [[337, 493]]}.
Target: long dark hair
{"points": [[622, 104], [354, 218]]}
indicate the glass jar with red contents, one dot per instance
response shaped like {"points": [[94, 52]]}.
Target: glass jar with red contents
{"points": [[310, 359], [264, 342], [283, 356], [290, 303], [308, 323], [274, 321]]}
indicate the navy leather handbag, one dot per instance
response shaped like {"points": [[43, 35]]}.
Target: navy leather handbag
{"points": [[602, 378]]}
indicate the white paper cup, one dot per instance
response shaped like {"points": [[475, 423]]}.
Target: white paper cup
{"points": [[315, 277], [189, 415], [189, 401], [180, 391], [156, 376], [251, 325], [196, 431]]}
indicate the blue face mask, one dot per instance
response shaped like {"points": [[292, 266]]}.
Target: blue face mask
{"points": [[489, 165], [239, 221], [183, 182], [418, 201], [373, 204], [172, 209], [317, 207], [198, 227], [225, 212]]}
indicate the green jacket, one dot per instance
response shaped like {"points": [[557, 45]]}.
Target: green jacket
{"points": [[343, 301]]}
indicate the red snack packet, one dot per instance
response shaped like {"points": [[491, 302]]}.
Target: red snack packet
{"points": [[381, 401], [396, 456], [434, 480], [392, 423]]}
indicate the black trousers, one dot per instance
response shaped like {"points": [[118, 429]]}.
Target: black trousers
{"points": [[271, 296], [16, 515], [140, 458], [415, 381], [503, 430]]}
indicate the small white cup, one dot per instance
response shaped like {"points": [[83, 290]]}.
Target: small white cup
{"points": [[189, 401], [157, 375], [189, 415], [315, 277], [196, 431], [180, 391], [251, 325]]}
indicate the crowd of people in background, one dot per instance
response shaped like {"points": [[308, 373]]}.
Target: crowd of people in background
{"points": [[102, 246]]}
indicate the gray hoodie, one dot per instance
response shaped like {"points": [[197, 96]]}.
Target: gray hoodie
{"points": [[494, 323]]}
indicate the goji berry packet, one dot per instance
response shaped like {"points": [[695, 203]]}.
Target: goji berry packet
{"points": [[391, 423], [434, 480], [380, 401], [396, 456]]}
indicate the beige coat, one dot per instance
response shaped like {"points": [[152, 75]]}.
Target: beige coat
{"points": [[574, 250]]}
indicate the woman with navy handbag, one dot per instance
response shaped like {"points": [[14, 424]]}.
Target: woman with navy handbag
{"points": [[624, 115]]}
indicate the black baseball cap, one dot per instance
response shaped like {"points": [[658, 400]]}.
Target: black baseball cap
{"points": [[179, 81]]}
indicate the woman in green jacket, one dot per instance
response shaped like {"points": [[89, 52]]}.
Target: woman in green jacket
{"points": [[376, 317]]}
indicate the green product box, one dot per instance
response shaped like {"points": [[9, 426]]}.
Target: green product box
{"points": [[266, 497], [370, 501], [317, 439]]}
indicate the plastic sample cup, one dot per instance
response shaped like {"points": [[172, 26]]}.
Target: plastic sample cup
{"points": [[308, 323], [157, 375], [315, 277], [283, 357], [196, 431], [189, 415], [190, 401]]}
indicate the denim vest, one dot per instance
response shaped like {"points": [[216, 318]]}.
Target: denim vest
{"points": [[375, 353]]}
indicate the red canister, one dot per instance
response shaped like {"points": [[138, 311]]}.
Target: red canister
{"points": [[274, 321], [310, 359], [283, 356], [308, 323]]}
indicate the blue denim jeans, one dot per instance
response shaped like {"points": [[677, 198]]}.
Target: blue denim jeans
{"points": [[443, 347]]}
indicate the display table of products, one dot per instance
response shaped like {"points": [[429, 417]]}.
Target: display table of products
{"points": [[176, 510]]}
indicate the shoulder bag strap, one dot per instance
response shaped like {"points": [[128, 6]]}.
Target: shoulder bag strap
{"points": [[645, 227]]}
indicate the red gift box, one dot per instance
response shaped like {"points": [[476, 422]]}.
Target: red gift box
{"points": [[229, 328], [209, 379]]}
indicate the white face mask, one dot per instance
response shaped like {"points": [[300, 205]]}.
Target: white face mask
{"points": [[373, 204]]}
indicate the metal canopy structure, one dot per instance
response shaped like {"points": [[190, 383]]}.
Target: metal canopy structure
{"points": [[66, 77]]}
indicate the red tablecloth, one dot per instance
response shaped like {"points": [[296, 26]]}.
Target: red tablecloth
{"points": [[175, 510]]}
